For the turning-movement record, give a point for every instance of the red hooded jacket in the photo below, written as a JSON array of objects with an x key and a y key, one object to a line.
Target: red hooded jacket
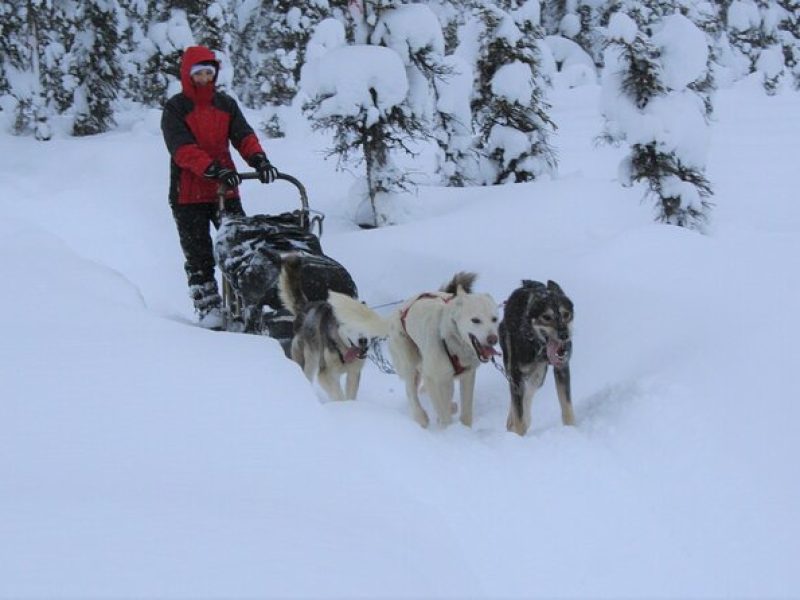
[{"x": 197, "y": 125}]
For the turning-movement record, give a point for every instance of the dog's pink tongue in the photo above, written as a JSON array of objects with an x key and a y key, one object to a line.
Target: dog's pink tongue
[
  {"x": 351, "y": 354},
  {"x": 555, "y": 353},
  {"x": 488, "y": 352}
]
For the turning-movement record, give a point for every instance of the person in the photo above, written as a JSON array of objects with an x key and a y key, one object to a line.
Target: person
[{"x": 198, "y": 125}]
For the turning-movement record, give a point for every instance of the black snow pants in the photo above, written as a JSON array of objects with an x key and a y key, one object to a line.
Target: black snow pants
[{"x": 194, "y": 222}]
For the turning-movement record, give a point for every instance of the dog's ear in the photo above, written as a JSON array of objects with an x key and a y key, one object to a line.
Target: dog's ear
[
  {"x": 554, "y": 287},
  {"x": 533, "y": 286},
  {"x": 458, "y": 300}
]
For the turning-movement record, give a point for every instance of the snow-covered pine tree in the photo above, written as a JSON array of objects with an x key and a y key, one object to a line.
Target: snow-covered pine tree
[
  {"x": 789, "y": 35},
  {"x": 274, "y": 40},
  {"x": 359, "y": 94},
  {"x": 15, "y": 67},
  {"x": 57, "y": 25},
  {"x": 753, "y": 34},
  {"x": 451, "y": 14},
  {"x": 23, "y": 41},
  {"x": 458, "y": 161},
  {"x": 96, "y": 68},
  {"x": 648, "y": 15},
  {"x": 706, "y": 17},
  {"x": 209, "y": 20},
  {"x": 576, "y": 20},
  {"x": 13, "y": 17},
  {"x": 509, "y": 107},
  {"x": 166, "y": 35},
  {"x": 41, "y": 126},
  {"x": 134, "y": 47},
  {"x": 648, "y": 101},
  {"x": 415, "y": 33},
  {"x": 553, "y": 11}
]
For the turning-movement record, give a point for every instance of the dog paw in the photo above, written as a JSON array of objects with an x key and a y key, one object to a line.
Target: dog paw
[
  {"x": 421, "y": 417},
  {"x": 515, "y": 426},
  {"x": 444, "y": 420}
]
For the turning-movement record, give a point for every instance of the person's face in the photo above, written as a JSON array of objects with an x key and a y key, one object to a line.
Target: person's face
[{"x": 203, "y": 77}]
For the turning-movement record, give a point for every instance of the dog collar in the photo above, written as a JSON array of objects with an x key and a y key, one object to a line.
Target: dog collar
[{"x": 458, "y": 368}]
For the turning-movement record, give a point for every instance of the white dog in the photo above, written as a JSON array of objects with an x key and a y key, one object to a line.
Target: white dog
[{"x": 439, "y": 337}]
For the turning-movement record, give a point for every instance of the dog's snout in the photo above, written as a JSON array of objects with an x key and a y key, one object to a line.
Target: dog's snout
[
  {"x": 363, "y": 342},
  {"x": 491, "y": 339},
  {"x": 563, "y": 335}
]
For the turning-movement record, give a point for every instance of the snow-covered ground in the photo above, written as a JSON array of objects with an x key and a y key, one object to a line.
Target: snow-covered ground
[{"x": 143, "y": 456}]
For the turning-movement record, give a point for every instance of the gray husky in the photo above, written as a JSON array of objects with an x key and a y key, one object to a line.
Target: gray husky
[
  {"x": 331, "y": 338},
  {"x": 536, "y": 331}
]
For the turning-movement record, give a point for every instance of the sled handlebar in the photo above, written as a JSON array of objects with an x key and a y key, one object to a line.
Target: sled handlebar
[{"x": 284, "y": 176}]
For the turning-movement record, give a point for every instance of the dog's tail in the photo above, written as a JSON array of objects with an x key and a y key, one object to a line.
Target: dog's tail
[
  {"x": 290, "y": 284},
  {"x": 353, "y": 312},
  {"x": 463, "y": 280}
]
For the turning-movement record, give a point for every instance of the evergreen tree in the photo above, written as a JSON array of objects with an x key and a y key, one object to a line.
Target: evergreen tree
[
  {"x": 58, "y": 26},
  {"x": 642, "y": 96},
  {"x": 21, "y": 49},
  {"x": 415, "y": 33},
  {"x": 509, "y": 108},
  {"x": 576, "y": 20},
  {"x": 451, "y": 15},
  {"x": 754, "y": 30},
  {"x": 13, "y": 18},
  {"x": 458, "y": 164},
  {"x": 789, "y": 35},
  {"x": 40, "y": 115},
  {"x": 413, "y": 36},
  {"x": 15, "y": 58},
  {"x": 272, "y": 53},
  {"x": 553, "y": 12},
  {"x": 209, "y": 21},
  {"x": 97, "y": 68},
  {"x": 359, "y": 93},
  {"x": 159, "y": 51},
  {"x": 134, "y": 47}
]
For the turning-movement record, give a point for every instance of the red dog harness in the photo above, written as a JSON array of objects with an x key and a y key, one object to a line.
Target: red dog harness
[{"x": 458, "y": 368}]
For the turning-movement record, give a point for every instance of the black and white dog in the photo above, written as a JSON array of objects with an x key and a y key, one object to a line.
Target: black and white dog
[
  {"x": 536, "y": 331},
  {"x": 331, "y": 336}
]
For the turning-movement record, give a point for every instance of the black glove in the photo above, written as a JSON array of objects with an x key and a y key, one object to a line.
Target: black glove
[
  {"x": 266, "y": 172},
  {"x": 227, "y": 176}
]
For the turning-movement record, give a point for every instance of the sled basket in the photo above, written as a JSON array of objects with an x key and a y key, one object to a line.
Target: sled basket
[{"x": 249, "y": 251}]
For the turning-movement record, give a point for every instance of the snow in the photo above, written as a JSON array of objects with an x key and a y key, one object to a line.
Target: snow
[
  {"x": 455, "y": 90},
  {"x": 530, "y": 11},
  {"x": 173, "y": 34},
  {"x": 675, "y": 120},
  {"x": 743, "y": 15},
  {"x": 345, "y": 77},
  {"x": 328, "y": 34},
  {"x": 683, "y": 51},
  {"x": 770, "y": 61},
  {"x": 570, "y": 25},
  {"x": 514, "y": 82},
  {"x": 141, "y": 456},
  {"x": 407, "y": 29},
  {"x": 622, "y": 27},
  {"x": 678, "y": 124},
  {"x": 576, "y": 67}
]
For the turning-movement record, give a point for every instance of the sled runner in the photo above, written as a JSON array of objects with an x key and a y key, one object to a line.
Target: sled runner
[{"x": 249, "y": 251}]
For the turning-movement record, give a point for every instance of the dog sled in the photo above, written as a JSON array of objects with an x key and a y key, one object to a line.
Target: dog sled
[{"x": 249, "y": 251}]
